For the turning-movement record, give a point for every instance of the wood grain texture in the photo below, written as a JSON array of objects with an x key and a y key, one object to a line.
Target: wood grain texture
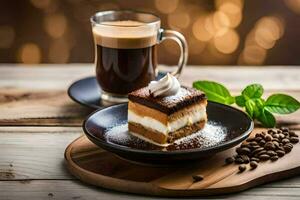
[
  {"x": 34, "y": 152},
  {"x": 39, "y": 107},
  {"x": 61, "y": 76},
  {"x": 98, "y": 167},
  {"x": 34, "y": 155},
  {"x": 55, "y": 108},
  {"x": 72, "y": 189}
]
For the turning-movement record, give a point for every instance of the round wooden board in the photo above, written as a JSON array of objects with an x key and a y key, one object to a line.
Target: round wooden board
[{"x": 98, "y": 167}]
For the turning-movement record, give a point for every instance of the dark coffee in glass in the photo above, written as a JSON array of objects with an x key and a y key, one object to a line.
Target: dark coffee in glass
[
  {"x": 127, "y": 62},
  {"x": 126, "y": 44}
]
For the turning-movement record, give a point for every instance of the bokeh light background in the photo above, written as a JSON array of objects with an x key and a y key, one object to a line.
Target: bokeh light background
[{"x": 219, "y": 32}]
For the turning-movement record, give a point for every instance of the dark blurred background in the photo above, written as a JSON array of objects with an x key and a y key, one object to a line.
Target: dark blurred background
[{"x": 227, "y": 32}]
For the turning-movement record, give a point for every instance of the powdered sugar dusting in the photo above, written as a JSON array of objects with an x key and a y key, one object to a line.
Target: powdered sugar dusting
[
  {"x": 118, "y": 134},
  {"x": 212, "y": 134}
]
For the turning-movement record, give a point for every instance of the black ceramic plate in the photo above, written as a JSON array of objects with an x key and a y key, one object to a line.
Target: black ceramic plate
[
  {"x": 87, "y": 92},
  {"x": 226, "y": 127}
]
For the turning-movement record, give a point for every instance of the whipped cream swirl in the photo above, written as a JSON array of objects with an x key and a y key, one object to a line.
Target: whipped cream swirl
[{"x": 166, "y": 86}]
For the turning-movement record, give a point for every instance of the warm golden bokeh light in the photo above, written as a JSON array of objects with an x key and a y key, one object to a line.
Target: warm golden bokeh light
[
  {"x": 7, "y": 36},
  {"x": 239, "y": 3},
  {"x": 233, "y": 12},
  {"x": 220, "y": 20},
  {"x": 55, "y": 25},
  {"x": 166, "y": 6},
  {"x": 253, "y": 55},
  {"x": 263, "y": 37},
  {"x": 41, "y": 4},
  {"x": 30, "y": 53},
  {"x": 199, "y": 32},
  {"x": 294, "y": 5},
  {"x": 59, "y": 51},
  {"x": 226, "y": 41},
  {"x": 274, "y": 24},
  {"x": 179, "y": 20}
]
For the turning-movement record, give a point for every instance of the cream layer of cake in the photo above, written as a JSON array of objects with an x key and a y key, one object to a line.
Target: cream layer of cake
[{"x": 162, "y": 123}]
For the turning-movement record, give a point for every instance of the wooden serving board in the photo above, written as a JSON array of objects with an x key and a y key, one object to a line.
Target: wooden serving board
[{"x": 98, "y": 167}]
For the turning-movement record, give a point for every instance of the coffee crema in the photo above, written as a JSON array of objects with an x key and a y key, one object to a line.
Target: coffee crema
[{"x": 124, "y": 34}]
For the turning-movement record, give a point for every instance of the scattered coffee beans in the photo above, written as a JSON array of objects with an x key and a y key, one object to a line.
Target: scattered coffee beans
[
  {"x": 242, "y": 168},
  {"x": 253, "y": 164},
  {"x": 197, "y": 178},
  {"x": 270, "y": 145}
]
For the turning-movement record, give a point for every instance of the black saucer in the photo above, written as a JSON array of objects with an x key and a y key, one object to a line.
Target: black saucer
[
  {"x": 87, "y": 92},
  {"x": 226, "y": 127}
]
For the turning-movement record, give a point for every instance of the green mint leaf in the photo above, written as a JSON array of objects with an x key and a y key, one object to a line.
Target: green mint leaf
[
  {"x": 259, "y": 105},
  {"x": 240, "y": 101},
  {"x": 214, "y": 91},
  {"x": 267, "y": 119},
  {"x": 254, "y": 107},
  {"x": 281, "y": 104},
  {"x": 253, "y": 91},
  {"x": 250, "y": 107}
]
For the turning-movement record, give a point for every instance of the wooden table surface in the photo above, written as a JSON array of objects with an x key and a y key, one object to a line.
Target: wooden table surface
[{"x": 38, "y": 121}]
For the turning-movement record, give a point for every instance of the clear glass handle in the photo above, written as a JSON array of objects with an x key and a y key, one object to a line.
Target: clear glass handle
[{"x": 180, "y": 40}]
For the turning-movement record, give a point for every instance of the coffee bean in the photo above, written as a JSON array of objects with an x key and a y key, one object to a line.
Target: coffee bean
[
  {"x": 236, "y": 156},
  {"x": 255, "y": 147},
  {"x": 239, "y": 161},
  {"x": 253, "y": 143},
  {"x": 245, "y": 159},
  {"x": 257, "y": 150},
  {"x": 197, "y": 178},
  {"x": 270, "y": 131},
  {"x": 289, "y": 145},
  {"x": 271, "y": 153},
  {"x": 242, "y": 168},
  {"x": 286, "y": 133},
  {"x": 262, "y": 142},
  {"x": 268, "y": 138},
  {"x": 245, "y": 151},
  {"x": 254, "y": 159},
  {"x": 264, "y": 157},
  {"x": 250, "y": 139},
  {"x": 257, "y": 139},
  {"x": 281, "y": 136},
  {"x": 294, "y": 140},
  {"x": 253, "y": 164},
  {"x": 285, "y": 140},
  {"x": 269, "y": 146},
  {"x": 280, "y": 148},
  {"x": 293, "y": 134},
  {"x": 280, "y": 153},
  {"x": 284, "y": 129},
  {"x": 238, "y": 150},
  {"x": 274, "y": 158},
  {"x": 229, "y": 160},
  {"x": 261, "y": 152},
  {"x": 276, "y": 144},
  {"x": 287, "y": 148},
  {"x": 262, "y": 147}
]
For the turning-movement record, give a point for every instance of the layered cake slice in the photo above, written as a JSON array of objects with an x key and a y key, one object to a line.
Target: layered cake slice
[{"x": 164, "y": 111}]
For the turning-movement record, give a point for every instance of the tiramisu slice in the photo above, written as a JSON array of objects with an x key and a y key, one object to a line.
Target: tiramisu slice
[{"x": 164, "y": 111}]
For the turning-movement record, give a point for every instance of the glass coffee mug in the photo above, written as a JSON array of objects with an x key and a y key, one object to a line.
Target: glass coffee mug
[{"x": 125, "y": 51}]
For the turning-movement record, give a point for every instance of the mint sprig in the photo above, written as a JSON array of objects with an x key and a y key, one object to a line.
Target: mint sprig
[{"x": 251, "y": 100}]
